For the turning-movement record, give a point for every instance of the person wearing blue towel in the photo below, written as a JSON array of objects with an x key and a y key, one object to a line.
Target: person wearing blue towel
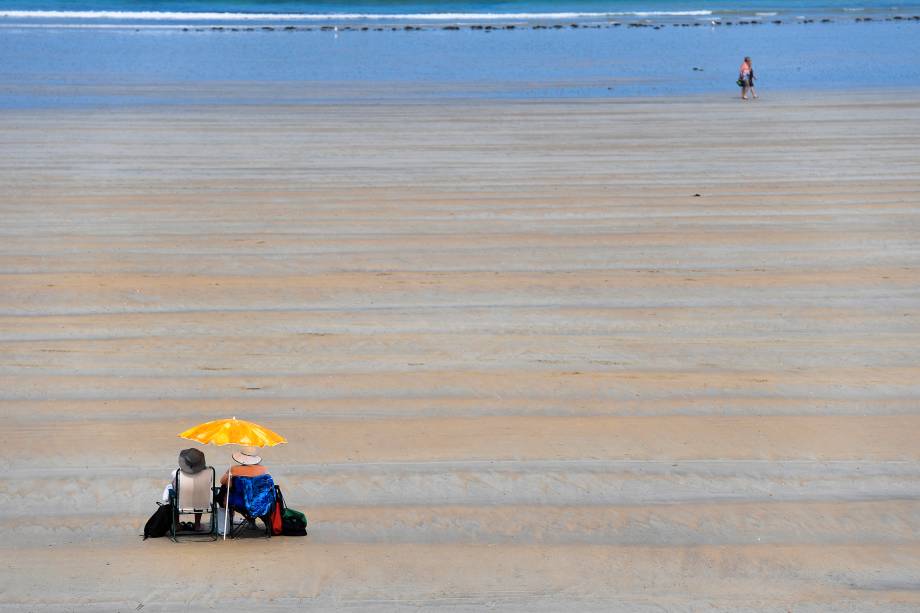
[{"x": 249, "y": 467}]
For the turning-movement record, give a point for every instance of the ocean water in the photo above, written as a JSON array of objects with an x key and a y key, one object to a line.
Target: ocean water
[
  {"x": 127, "y": 52},
  {"x": 364, "y": 11}
]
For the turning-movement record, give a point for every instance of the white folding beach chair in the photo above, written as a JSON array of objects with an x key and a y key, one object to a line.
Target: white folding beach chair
[{"x": 194, "y": 494}]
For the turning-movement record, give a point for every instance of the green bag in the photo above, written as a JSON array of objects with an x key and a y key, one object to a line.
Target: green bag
[
  {"x": 293, "y": 522},
  {"x": 740, "y": 82}
]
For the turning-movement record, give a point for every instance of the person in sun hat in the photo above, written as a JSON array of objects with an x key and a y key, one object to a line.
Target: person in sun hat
[
  {"x": 191, "y": 462},
  {"x": 247, "y": 463}
]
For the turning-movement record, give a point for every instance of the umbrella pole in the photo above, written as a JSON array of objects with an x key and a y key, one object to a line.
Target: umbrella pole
[{"x": 227, "y": 501}]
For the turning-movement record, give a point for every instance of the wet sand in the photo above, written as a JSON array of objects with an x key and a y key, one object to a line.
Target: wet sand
[{"x": 607, "y": 355}]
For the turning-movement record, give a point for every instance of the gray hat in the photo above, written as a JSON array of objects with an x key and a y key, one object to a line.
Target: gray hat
[{"x": 191, "y": 461}]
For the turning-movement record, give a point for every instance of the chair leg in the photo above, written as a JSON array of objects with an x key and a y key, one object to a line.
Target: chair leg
[
  {"x": 232, "y": 529},
  {"x": 174, "y": 526},
  {"x": 267, "y": 522},
  {"x": 245, "y": 526}
]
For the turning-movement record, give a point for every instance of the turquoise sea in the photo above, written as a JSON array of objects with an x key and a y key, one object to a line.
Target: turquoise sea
[{"x": 125, "y": 52}]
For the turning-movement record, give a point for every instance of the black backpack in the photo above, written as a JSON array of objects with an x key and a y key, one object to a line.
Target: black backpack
[{"x": 159, "y": 523}]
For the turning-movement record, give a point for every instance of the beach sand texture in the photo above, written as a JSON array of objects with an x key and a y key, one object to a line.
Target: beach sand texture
[{"x": 606, "y": 355}]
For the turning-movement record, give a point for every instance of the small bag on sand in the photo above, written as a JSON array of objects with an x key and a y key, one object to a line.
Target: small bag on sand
[
  {"x": 160, "y": 522},
  {"x": 293, "y": 522},
  {"x": 277, "y": 525}
]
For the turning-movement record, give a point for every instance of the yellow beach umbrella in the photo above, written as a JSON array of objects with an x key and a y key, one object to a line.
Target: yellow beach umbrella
[{"x": 232, "y": 432}]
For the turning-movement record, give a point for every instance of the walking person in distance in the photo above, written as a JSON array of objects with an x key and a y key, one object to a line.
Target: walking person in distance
[{"x": 746, "y": 78}]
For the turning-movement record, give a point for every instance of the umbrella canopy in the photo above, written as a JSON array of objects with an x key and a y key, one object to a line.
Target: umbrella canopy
[{"x": 233, "y": 432}]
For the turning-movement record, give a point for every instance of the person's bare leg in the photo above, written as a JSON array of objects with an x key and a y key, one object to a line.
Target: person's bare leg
[
  {"x": 744, "y": 90},
  {"x": 753, "y": 93},
  {"x": 197, "y": 522}
]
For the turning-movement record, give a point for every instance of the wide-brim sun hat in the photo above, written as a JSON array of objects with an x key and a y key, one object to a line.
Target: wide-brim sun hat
[
  {"x": 247, "y": 456},
  {"x": 191, "y": 461}
]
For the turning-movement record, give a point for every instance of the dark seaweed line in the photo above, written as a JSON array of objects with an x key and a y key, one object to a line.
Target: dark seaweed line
[{"x": 540, "y": 26}]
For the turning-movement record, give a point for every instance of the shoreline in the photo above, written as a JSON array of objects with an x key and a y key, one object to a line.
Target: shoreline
[{"x": 179, "y": 97}]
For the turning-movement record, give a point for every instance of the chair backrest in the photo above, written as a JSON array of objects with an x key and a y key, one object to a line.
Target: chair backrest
[{"x": 195, "y": 492}]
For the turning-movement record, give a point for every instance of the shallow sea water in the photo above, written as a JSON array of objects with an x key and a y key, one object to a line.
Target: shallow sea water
[{"x": 45, "y": 67}]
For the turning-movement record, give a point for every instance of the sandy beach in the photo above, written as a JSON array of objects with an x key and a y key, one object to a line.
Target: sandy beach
[{"x": 618, "y": 355}]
